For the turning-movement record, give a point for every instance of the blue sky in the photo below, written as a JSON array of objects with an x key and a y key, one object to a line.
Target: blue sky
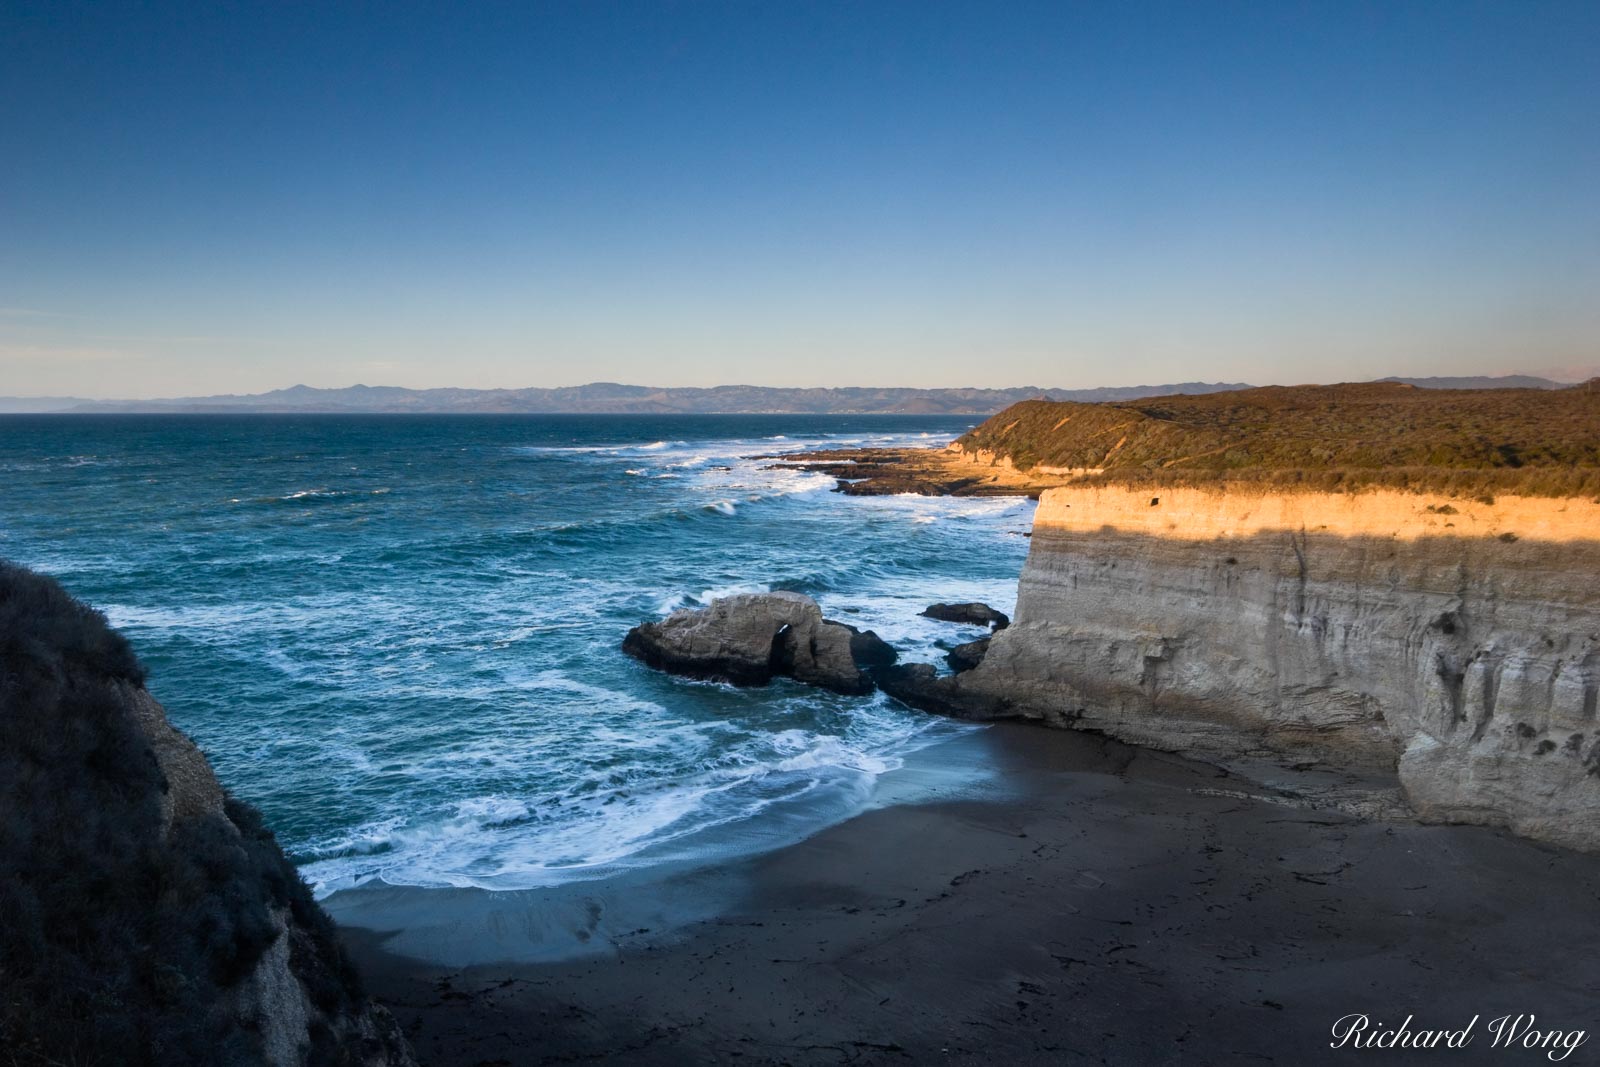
[{"x": 230, "y": 197}]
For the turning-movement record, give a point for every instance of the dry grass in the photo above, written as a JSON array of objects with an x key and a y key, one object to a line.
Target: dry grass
[{"x": 1338, "y": 437}]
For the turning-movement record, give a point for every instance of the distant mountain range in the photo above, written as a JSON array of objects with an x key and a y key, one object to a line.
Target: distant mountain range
[
  {"x": 24, "y": 404},
  {"x": 610, "y": 398},
  {"x": 1505, "y": 381}
]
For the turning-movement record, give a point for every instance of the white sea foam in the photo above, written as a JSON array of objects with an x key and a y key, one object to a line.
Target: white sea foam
[
  {"x": 500, "y": 841},
  {"x": 706, "y": 596},
  {"x": 319, "y": 494},
  {"x": 439, "y": 699},
  {"x": 616, "y": 699},
  {"x": 537, "y": 450},
  {"x": 812, "y": 753},
  {"x": 562, "y": 827}
]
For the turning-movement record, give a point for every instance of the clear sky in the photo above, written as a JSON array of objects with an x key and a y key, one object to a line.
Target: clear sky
[{"x": 218, "y": 197}]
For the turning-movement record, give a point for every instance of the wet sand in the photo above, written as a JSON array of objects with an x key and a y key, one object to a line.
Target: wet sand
[{"x": 1101, "y": 904}]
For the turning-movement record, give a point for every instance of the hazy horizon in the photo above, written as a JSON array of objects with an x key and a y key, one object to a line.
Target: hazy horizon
[
  {"x": 998, "y": 387},
  {"x": 946, "y": 195},
  {"x": 1566, "y": 376}
]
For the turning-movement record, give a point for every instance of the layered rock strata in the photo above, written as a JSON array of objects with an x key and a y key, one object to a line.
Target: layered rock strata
[{"x": 1457, "y": 642}]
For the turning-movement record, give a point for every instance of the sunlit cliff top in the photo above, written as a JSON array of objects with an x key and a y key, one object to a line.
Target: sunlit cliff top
[{"x": 1482, "y": 441}]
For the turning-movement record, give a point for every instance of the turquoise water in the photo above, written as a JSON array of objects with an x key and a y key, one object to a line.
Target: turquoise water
[{"x": 399, "y": 635}]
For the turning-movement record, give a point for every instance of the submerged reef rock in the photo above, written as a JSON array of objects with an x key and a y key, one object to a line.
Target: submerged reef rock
[
  {"x": 974, "y": 614},
  {"x": 752, "y": 638},
  {"x": 149, "y": 917}
]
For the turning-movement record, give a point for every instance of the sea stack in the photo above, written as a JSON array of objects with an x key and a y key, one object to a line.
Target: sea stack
[{"x": 753, "y": 638}]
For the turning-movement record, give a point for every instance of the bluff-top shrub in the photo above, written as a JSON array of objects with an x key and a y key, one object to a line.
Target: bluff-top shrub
[
  {"x": 1542, "y": 442},
  {"x": 119, "y": 943}
]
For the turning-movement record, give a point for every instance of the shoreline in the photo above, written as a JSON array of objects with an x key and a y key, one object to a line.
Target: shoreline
[
  {"x": 1101, "y": 902},
  {"x": 683, "y": 883},
  {"x": 923, "y": 471}
]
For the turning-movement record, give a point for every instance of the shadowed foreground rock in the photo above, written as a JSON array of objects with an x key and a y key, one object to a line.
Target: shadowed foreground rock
[
  {"x": 752, "y": 638},
  {"x": 146, "y": 917}
]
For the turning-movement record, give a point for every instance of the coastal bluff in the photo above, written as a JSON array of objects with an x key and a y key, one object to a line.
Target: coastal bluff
[
  {"x": 1454, "y": 641},
  {"x": 150, "y": 917},
  {"x": 1393, "y": 586}
]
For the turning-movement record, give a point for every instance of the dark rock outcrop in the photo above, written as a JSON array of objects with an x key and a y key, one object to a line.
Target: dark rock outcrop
[
  {"x": 819, "y": 655},
  {"x": 867, "y": 648},
  {"x": 919, "y": 686},
  {"x": 973, "y": 613},
  {"x": 967, "y": 656},
  {"x": 751, "y": 639},
  {"x": 149, "y": 917}
]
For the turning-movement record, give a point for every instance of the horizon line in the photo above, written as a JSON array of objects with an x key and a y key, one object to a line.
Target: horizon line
[{"x": 1560, "y": 380}]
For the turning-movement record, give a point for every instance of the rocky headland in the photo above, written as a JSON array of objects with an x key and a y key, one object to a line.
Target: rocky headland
[
  {"x": 1456, "y": 644},
  {"x": 1464, "y": 442},
  {"x": 950, "y": 471},
  {"x": 148, "y": 916},
  {"x": 1395, "y": 584}
]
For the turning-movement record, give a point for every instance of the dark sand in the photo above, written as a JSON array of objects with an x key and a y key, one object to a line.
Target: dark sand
[{"x": 1110, "y": 905}]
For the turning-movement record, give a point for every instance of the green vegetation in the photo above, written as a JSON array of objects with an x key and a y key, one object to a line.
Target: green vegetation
[
  {"x": 1335, "y": 437},
  {"x": 120, "y": 941}
]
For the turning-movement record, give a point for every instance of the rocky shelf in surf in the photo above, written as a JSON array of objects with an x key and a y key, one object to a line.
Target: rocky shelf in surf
[{"x": 752, "y": 638}]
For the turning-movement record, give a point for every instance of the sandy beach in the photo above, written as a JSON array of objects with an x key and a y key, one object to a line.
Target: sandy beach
[{"x": 1095, "y": 903}]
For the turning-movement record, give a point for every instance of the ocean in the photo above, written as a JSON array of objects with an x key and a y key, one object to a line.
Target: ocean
[{"x": 399, "y": 635}]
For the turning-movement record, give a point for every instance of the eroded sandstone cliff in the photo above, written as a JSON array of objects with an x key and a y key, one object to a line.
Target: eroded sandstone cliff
[{"x": 1458, "y": 642}]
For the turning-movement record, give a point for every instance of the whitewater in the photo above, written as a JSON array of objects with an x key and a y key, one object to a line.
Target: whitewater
[{"x": 399, "y": 636}]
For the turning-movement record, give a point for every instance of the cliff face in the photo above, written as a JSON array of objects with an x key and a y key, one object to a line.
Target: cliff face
[
  {"x": 1457, "y": 642},
  {"x": 149, "y": 917}
]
